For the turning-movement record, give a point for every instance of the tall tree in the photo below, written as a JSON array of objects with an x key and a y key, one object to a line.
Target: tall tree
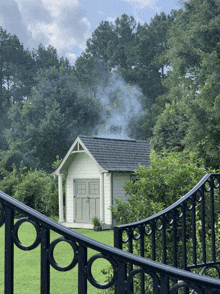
[
  {"x": 193, "y": 54},
  {"x": 16, "y": 76},
  {"x": 57, "y": 111},
  {"x": 48, "y": 57}
]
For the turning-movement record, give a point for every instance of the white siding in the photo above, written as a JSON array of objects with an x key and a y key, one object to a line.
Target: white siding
[
  {"x": 107, "y": 198},
  {"x": 82, "y": 167},
  {"x": 118, "y": 183}
]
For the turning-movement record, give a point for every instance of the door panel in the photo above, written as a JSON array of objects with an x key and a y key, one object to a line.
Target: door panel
[{"x": 87, "y": 200}]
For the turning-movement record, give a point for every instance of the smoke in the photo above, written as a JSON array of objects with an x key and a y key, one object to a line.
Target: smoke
[{"x": 121, "y": 103}]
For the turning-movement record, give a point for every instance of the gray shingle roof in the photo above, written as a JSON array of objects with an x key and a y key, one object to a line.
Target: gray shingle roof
[{"x": 118, "y": 154}]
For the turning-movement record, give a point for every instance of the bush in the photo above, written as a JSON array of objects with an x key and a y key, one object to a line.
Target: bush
[
  {"x": 170, "y": 176},
  {"x": 34, "y": 188}
]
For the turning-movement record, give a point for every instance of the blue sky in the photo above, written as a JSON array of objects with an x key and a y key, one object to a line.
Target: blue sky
[{"x": 67, "y": 24}]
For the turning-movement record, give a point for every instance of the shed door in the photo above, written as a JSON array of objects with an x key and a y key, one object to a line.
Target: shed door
[{"x": 87, "y": 200}]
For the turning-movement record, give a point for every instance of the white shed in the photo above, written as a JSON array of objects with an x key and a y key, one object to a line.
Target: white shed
[{"x": 96, "y": 169}]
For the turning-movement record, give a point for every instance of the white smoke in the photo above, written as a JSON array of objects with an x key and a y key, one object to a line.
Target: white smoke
[{"x": 121, "y": 102}]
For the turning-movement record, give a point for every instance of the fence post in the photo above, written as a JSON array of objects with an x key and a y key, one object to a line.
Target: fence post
[
  {"x": 82, "y": 274},
  {"x": 122, "y": 278},
  {"x": 45, "y": 266},
  {"x": 164, "y": 284},
  {"x": 117, "y": 238},
  {"x": 9, "y": 251}
]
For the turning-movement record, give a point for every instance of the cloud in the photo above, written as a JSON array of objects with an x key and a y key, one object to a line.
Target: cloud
[
  {"x": 142, "y": 3},
  {"x": 11, "y": 20},
  {"x": 111, "y": 19},
  {"x": 71, "y": 57},
  {"x": 143, "y": 9},
  {"x": 60, "y": 23}
]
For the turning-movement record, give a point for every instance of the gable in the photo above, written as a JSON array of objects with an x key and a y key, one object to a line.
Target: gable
[
  {"x": 82, "y": 166},
  {"x": 77, "y": 148}
]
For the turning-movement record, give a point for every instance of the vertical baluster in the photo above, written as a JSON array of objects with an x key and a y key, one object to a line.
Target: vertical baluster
[
  {"x": 194, "y": 230},
  {"x": 122, "y": 277},
  {"x": 130, "y": 248},
  {"x": 45, "y": 265},
  {"x": 212, "y": 219},
  {"x": 174, "y": 238},
  {"x": 141, "y": 232},
  {"x": 203, "y": 224},
  {"x": 219, "y": 191},
  {"x": 82, "y": 274},
  {"x": 164, "y": 243},
  {"x": 9, "y": 251},
  {"x": 164, "y": 284},
  {"x": 153, "y": 241},
  {"x": 184, "y": 234}
]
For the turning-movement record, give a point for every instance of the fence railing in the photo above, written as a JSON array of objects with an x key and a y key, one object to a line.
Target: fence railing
[
  {"x": 156, "y": 277},
  {"x": 185, "y": 235}
]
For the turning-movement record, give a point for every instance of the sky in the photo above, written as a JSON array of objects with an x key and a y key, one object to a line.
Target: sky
[{"x": 68, "y": 24}]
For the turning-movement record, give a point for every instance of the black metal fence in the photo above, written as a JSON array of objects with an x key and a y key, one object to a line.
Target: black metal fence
[
  {"x": 126, "y": 269},
  {"x": 185, "y": 235}
]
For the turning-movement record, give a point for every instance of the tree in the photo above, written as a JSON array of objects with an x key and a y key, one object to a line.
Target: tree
[
  {"x": 17, "y": 70},
  {"x": 103, "y": 42},
  {"x": 47, "y": 124},
  {"x": 193, "y": 82}
]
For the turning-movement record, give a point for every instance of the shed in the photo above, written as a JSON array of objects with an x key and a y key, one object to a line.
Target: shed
[{"x": 96, "y": 169}]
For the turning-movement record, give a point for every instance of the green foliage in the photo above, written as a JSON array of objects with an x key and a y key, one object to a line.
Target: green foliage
[
  {"x": 34, "y": 188},
  {"x": 170, "y": 128},
  {"x": 56, "y": 163},
  {"x": 51, "y": 119},
  {"x": 174, "y": 60},
  {"x": 96, "y": 222},
  {"x": 9, "y": 180},
  {"x": 170, "y": 176},
  {"x": 193, "y": 83}
]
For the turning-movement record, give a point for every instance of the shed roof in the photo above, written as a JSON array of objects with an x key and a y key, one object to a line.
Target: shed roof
[
  {"x": 118, "y": 154},
  {"x": 111, "y": 154}
]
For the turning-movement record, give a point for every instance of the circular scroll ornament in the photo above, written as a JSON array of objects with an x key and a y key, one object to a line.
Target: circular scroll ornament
[
  {"x": 169, "y": 217},
  {"x": 90, "y": 276},
  {"x": 159, "y": 224},
  {"x": 189, "y": 204},
  {"x": 216, "y": 182},
  {"x": 148, "y": 229},
  {"x": 207, "y": 186},
  {"x": 51, "y": 254},
  {"x": 126, "y": 233},
  {"x": 16, "y": 238},
  {"x": 136, "y": 233},
  {"x": 185, "y": 285},
  {"x": 139, "y": 271}
]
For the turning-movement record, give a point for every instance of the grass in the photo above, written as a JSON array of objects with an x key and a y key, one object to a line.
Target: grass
[{"x": 27, "y": 263}]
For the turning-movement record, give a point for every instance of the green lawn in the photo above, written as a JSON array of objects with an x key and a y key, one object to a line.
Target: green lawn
[{"x": 27, "y": 263}]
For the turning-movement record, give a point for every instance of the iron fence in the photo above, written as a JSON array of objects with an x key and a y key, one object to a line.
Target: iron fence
[
  {"x": 185, "y": 235},
  {"x": 126, "y": 268}
]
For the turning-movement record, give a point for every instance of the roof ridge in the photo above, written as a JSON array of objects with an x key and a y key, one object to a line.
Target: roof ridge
[{"x": 114, "y": 139}]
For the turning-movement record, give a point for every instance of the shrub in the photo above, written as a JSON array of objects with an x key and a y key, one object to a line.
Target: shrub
[
  {"x": 34, "y": 188},
  {"x": 170, "y": 176}
]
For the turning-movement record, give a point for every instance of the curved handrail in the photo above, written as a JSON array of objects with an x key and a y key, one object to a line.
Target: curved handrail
[
  {"x": 117, "y": 257},
  {"x": 172, "y": 206}
]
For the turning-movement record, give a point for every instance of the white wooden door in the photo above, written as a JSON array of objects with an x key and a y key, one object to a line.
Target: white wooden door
[{"x": 87, "y": 200}]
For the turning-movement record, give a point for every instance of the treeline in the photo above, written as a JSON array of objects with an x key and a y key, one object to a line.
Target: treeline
[{"x": 174, "y": 60}]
